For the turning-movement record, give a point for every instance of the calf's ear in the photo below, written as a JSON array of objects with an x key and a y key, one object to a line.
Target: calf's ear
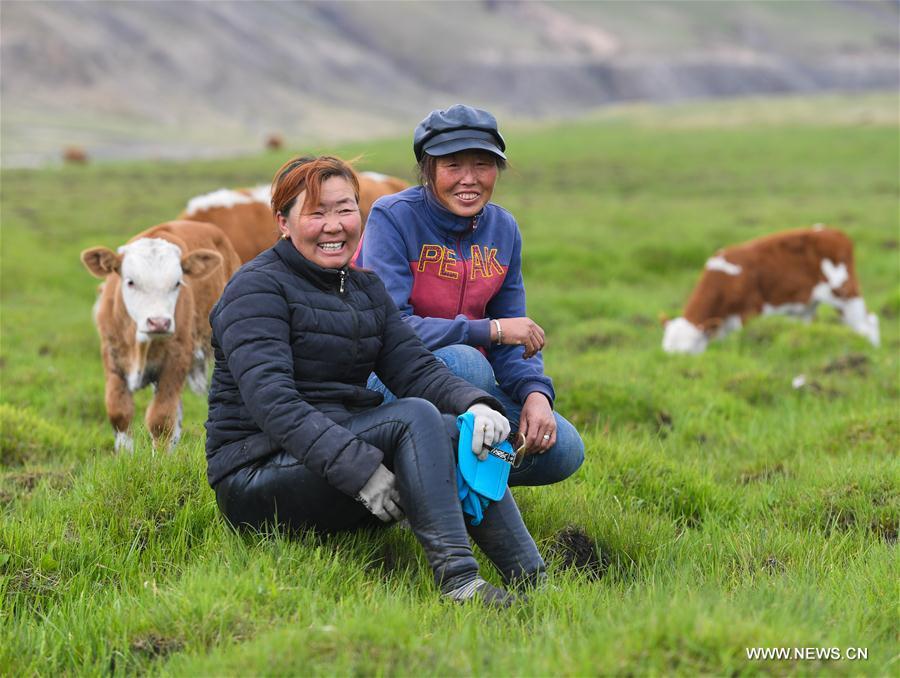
[
  {"x": 101, "y": 261},
  {"x": 200, "y": 263}
]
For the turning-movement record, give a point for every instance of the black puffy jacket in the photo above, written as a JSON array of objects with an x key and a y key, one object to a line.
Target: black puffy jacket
[{"x": 294, "y": 345}]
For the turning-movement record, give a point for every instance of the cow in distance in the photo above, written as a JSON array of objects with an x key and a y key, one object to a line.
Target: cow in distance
[{"x": 788, "y": 273}]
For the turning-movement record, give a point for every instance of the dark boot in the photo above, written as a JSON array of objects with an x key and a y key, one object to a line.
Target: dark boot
[
  {"x": 480, "y": 591},
  {"x": 505, "y": 540}
]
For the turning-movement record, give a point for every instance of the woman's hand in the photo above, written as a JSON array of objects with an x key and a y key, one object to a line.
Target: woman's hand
[
  {"x": 380, "y": 496},
  {"x": 519, "y": 332},
  {"x": 537, "y": 424}
]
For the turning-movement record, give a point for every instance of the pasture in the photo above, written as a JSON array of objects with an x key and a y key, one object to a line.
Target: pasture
[{"x": 729, "y": 509}]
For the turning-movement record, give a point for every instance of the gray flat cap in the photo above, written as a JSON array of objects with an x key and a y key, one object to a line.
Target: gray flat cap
[{"x": 458, "y": 128}]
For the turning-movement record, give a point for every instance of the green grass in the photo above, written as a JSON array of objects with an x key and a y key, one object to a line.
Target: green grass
[{"x": 729, "y": 509}]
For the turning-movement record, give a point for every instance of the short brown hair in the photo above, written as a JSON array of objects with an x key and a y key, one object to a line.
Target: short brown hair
[{"x": 307, "y": 173}]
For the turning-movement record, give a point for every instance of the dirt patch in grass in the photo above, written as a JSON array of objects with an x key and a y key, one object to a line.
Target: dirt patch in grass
[
  {"x": 34, "y": 583},
  {"x": 19, "y": 485},
  {"x": 813, "y": 387},
  {"x": 155, "y": 646},
  {"x": 764, "y": 474},
  {"x": 875, "y": 510},
  {"x": 773, "y": 566},
  {"x": 852, "y": 363},
  {"x": 28, "y": 480},
  {"x": 890, "y": 244},
  {"x": 576, "y": 550},
  {"x": 886, "y": 528},
  {"x": 664, "y": 423}
]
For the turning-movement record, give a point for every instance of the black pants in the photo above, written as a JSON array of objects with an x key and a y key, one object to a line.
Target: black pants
[{"x": 419, "y": 446}]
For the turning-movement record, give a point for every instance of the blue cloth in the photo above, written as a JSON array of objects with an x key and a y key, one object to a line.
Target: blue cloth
[
  {"x": 473, "y": 504},
  {"x": 480, "y": 481}
]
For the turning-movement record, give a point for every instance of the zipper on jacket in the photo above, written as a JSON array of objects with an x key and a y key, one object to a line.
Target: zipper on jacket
[
  {"x": 462, "y": 292},
  {"x": 355, "y": 338},
  {"x": 353, "y": 357}
]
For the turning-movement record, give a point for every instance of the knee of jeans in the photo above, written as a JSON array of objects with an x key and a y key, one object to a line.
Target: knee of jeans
[
  {"x": 420, "y": 412},
  {"x": 468, "y": 363},
  {"x": 569, "y": 452}
]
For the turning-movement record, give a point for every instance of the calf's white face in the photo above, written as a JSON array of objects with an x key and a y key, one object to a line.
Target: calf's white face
[
  {"x": 682, "y": 336},
  {"x": 151, "y": 280}
]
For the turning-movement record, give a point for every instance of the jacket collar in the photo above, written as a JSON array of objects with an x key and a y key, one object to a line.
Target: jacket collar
[
  {"x": 324, "y": 278},
  {"x": 444, "y": 219}
]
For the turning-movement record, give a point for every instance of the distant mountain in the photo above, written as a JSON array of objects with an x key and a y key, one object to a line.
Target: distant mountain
[{"x": 175, "y": 78}]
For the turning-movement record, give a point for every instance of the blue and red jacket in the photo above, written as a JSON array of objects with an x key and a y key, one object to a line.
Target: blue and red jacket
[{"x": 450, "y": 275}]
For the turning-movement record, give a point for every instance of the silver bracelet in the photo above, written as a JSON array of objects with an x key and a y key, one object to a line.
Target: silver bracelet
[{"x": 499, "y": 331}]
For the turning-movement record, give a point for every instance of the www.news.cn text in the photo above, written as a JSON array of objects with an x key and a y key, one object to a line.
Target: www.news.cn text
[{"x": 807, "y": 653}]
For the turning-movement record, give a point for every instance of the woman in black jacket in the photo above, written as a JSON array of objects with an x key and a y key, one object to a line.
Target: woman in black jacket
[{"x": 295, "y": 439}]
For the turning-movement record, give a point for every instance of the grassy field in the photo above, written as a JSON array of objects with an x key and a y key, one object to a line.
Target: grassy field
[{"x": 728, "y": 509}]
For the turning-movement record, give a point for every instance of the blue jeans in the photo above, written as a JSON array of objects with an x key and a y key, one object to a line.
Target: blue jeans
[{"x": 557, "y": 463}]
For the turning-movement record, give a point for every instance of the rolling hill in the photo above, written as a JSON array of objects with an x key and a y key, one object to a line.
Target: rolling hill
[{"x": 188, "y": 79}]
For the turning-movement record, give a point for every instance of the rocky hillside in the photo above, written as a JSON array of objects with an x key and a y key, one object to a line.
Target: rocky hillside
[{"x": 137, "y": 79}]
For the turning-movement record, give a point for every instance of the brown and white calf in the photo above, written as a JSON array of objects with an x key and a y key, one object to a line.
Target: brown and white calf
[
  {"x": 153, "y": 319},
  {"x": 786, "y": 273},
  {"x": 245, "y": 215}
]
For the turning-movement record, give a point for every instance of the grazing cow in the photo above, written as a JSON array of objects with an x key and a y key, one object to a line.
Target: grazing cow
[
  {"x": 74, "y": 155},
  {"x": 153, "y": 319},
  {"x": 786, "y": 273},
  {"x": 244, "y": 214},
  {"x": 274, "y": 141}
]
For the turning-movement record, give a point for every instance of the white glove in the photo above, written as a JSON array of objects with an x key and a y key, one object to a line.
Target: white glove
[
  {"x": 491, "y": 427},
  {"x": 380, "y": 496}
]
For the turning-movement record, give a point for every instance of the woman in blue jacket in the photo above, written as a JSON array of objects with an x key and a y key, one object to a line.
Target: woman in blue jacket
[
  {"x": 294, "y": 437},
  {"x": 452, "y": 262}
]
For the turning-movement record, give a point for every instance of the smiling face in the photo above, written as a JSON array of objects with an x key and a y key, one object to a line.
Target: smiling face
[
  {"x": 464, "y": 181},
  {"x": 327, "y": 234}
]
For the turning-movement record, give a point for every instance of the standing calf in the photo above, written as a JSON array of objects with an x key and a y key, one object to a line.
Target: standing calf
[
  {"x": 243, "y": 214},
  {"x": 153, "y": 319},
  {"x": 788, "y": 273}
]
